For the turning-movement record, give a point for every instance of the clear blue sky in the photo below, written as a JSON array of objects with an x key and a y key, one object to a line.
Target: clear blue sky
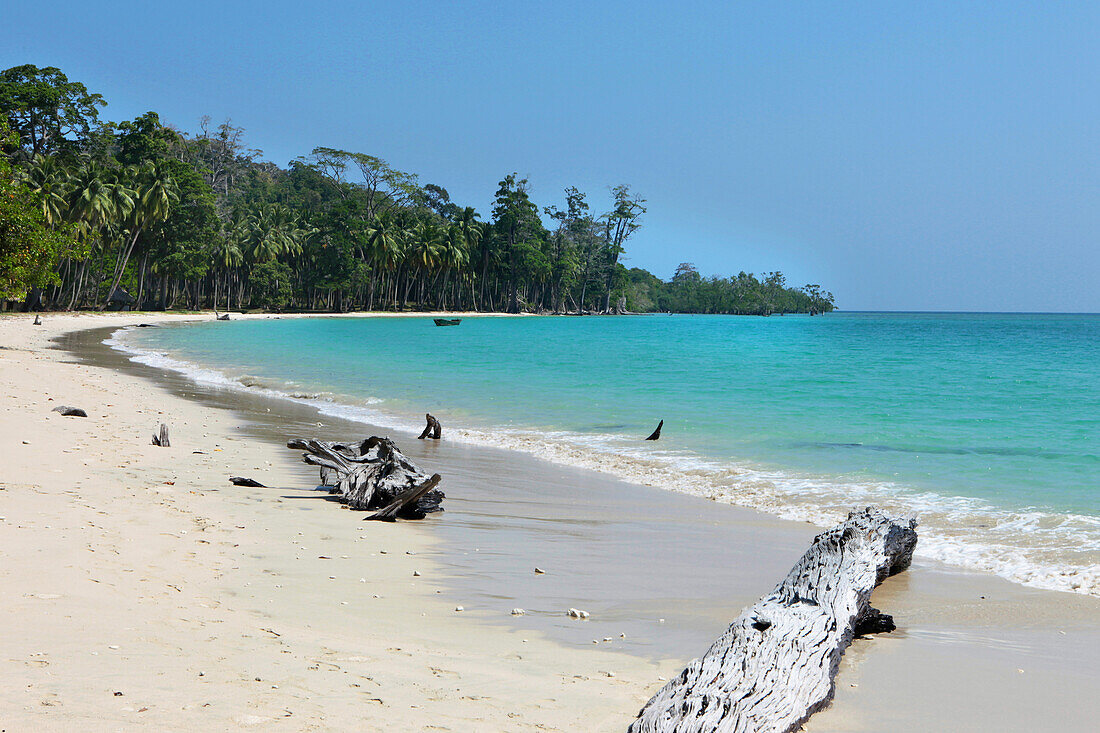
[{"x": 907, "y": 156}]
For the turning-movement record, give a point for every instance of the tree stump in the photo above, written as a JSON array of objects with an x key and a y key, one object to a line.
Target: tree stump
[
  {"x": 373, "y": 475},
  {"x": 432, "y": 430},
  {"x": 774, "y": 666},
  {"x": 162, "y": 439}
]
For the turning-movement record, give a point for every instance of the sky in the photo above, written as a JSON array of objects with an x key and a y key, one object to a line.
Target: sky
[{"x": 905, "y": 156}]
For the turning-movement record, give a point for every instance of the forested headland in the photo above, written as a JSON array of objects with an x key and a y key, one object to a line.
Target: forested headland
[{"x": 140, "y": 215}]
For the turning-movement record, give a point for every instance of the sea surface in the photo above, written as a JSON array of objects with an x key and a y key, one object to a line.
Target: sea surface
[{"x": 986, "y": 426}]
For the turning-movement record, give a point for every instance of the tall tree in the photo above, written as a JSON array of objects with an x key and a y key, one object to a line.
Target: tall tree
[
  {"x": 49, "y": 113},
  {"x": 517, "y": 225},
  {"x": 30, "y": 244},
  {"x": 622, "y": 221}
]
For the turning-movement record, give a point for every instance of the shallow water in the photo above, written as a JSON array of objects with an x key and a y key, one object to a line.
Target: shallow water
[{"x": 986, "y": 425}]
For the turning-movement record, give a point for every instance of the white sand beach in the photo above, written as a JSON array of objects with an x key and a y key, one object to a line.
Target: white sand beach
[{"x": 141, "y": 590}]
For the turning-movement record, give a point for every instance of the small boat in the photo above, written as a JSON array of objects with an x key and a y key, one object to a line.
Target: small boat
[{"x": 447, "y": 321}]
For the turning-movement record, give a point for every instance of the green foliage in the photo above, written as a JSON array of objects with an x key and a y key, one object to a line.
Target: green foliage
[
  {"x": 745, "y": 294},
  {"x": 49, "y": 113},
  {"x": 29, "y": 246},
  {"x": 271, "y": 288},
  {"x": 200, "y": 219}
]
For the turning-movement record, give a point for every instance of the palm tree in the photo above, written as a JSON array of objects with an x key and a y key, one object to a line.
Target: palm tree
[
  {"x": 154, "y": 194},
  {"x": 273, "y": 230},
  {"x": 472, "y": 231},
  {"x": 386, "y": 245},
  {"x": 425, "y": 253},
  {"x": 455, "y": 256},
  {"x": 50, "y": 182},
  {"x": 229, "y": 256},
  {"x": 95, "y": 204}
]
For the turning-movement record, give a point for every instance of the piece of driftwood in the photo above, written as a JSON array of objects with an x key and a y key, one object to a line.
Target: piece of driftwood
[
  {"x": 37, "y": 320},
  {"x": 162, "y": 438},
  {"x": 242, "y": 481},
  {"x": 389, "y": 512},
  {"x": 656, "y": 434},
  {"x": 432, "y": 430},
  {"x": 373, "y": 474},
  {"x": 69, "y": 411},
  {"x": 774, "y": 666}
]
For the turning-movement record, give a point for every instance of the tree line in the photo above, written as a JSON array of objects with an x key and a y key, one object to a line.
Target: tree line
[{"x": 137, "y": 214}]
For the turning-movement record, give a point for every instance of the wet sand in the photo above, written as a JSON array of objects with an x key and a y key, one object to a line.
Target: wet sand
[{"x": 628, "y": 554}]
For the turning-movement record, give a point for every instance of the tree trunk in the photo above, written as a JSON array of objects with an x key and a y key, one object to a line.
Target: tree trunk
[{"x": 774, "y": 666}]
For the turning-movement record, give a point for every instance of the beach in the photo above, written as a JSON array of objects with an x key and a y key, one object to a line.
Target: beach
[{"x": 147, "y": 591}]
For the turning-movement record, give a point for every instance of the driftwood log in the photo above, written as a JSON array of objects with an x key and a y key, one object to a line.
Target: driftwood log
[
  {"x": 373, "y": 475},
  {"x": 656, "y": 434},
  {"x": 243, "y": 481},
  {"x": 432, "y": 430},
  {"x": 70, "y": 411},
  {"x": 774, "y": 666},
  {"x": 162, "y": 438}
]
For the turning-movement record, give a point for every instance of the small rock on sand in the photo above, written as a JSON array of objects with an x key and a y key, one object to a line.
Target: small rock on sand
[
  {"x": 459, "y": 608},
  {"x": 576, "y": 613},
  {"x": 518, "y": 612}
]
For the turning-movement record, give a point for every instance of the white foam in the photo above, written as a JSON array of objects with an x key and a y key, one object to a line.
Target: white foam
[{"x": 1037, "y": 548}]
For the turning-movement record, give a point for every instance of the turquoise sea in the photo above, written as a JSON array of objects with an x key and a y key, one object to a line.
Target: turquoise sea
[{"x": 985, "y": 425}]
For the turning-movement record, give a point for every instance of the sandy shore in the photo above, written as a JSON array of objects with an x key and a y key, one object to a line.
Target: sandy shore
[
  {"x": 140, "y": 588},
  {"x": 134, "y": 569}
]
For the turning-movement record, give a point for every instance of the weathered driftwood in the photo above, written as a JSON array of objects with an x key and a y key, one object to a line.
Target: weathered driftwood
[
  {"x": 389, "y": 512},
  {"x": 37, "y": 320},
  {"x": 242, "y": 481},
  {"x": 373, "y": 474},
  {"x": 69, "y": 411},
  {"x": 656, "y": 434},
  {"x": 774, "y": 666},
  {"x": 432, "y": 430},
  {"x": 162, "y": 438}
]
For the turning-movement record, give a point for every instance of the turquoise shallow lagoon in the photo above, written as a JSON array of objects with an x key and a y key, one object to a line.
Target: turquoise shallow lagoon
[{"x": 986, "y": 425}]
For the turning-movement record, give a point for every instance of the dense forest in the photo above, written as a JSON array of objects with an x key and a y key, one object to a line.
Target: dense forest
[{"x": 137, "y": 214}]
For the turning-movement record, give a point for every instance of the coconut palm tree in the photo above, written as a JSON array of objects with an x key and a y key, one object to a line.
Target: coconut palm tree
[
  {"x": 153, "y": 195},
  {"x": 273, "y": 230},
  {"x": 386, "y": 246},
  {"x": 425, "y": 253},
  {"x": 96, "y": 204},
  {"x": 228, "y": 256},
  {"x": 454, "y": 257},
  {"x": 49, "y": 180}
]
